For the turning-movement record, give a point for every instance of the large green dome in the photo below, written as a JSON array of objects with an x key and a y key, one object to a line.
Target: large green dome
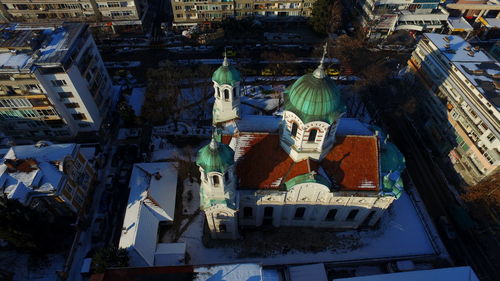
[
  {"x": 391, "y": 158},
  {"x": 215, "y": 157},
  {"x": 226, "y": 74},
  {"x": 314, "y": 97}
]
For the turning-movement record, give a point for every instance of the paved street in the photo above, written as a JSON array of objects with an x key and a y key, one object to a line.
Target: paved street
[{"x": 439, "y": 200}]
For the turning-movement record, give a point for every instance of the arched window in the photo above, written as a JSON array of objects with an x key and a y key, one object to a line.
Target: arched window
[
  {"x": 295, "y": 127},
  {"x": 247, "y": 212},
  {"x": 299, "y": 212},
  {"x": 331, "y": 215},
  {"x": 216, "y": 180},
  {"x": 352, "y": 215},
  {"x": 226, "y": 94},
  {"x": 222, "y": 227},
  {"x": 218, "y": 93},
  {"x": 312, "y": 135}
]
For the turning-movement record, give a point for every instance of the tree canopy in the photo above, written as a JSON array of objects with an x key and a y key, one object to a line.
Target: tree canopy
[
  {"x": 326, "y": 16},
  {"x": 108, "y": 257}
]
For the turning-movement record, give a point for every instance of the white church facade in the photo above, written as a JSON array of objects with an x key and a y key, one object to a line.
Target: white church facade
[{"x": 311, "y": 167}]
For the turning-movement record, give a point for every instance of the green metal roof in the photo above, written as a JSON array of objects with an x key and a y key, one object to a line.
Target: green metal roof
[
  {"x": 306, "y": 178},
  {"x": 314, "y": 98},
  {"x": 226, "y": 74},
  {"x": 392, "y": 185},
  {"x": 391, "y": 158},
  {"x": 215, "y": 157}
]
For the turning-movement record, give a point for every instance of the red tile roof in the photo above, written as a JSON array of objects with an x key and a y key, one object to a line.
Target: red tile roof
[
  {"x": 263, "y": 164},
  {"x": 353, "y": 163}
]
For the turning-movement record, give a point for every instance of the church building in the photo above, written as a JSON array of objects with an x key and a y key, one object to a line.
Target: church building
[{"x": 309, "y": 167}]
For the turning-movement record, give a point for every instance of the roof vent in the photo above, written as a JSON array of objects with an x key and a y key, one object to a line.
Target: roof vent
[
  {"x": 42, "y": 143},
  {"x": 476, "y": 48},
  {"x": 471, "y": 53},
  {"x": 467, "y": 48},
  {"x": 157, "y": 176},
  {"x": 447, "y": 46},
  {"x": 448, "y": 38}
]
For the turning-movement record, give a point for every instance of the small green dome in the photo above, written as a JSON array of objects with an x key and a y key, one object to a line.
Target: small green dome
[
  {"x": 391, "y": 158},
  {"x": 215, "y": 157},
  {"x": 314, "y": 97},
  {"x": 226, "y": 74}
]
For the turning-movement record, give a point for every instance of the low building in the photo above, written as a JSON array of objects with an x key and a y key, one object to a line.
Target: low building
[
  {"x": 53, "y": 83},
  {"x": 112, "y": 16},
  {"x": 194, "y": 12},
  {"x": 151, "y": 205},
  {"x": 49, "y": 177},
  {"x": 463, "y": 273},
  {"x": 462, "y": 105},
  {"x": 310, "y": 168},
  {"x": 382, "y": 17}
]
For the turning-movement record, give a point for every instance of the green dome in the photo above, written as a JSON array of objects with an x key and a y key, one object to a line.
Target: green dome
[
  {"x": 391, "y": 158},
  {"x": 215, "y": 157},
  {"x": 226, "y": 74},
  {"x": 314, "y": 97}
]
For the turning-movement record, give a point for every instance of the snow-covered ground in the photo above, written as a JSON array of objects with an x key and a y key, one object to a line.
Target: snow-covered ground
[{"x": 401, "y": 235}]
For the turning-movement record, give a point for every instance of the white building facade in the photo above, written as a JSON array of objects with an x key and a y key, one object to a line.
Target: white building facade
[
  {"x": 462, "y": 102},
  {"x": 55, "y": 86}
]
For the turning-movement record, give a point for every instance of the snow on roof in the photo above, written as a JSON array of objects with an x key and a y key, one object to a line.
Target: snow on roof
[
  {"x": 459, "y": 24},
  {"x": 483, "y": 76},
  {"x": 308, "y": 272},
  {"x": 136, "y": 100},
  {"x": 50, "y": 152},
  {"x": 151, "y": 201},
  {"x": 464, "y": 273},
  {"x": 229, "y": 272},
  {"x": 458, "y": 48},
  {"x": 259, "y": 123},
  {"x": 171, "y": 248},
  {"x": 13, "y": 60},
  {"x": 352, "y": 126},
  {"x": 41, "y": 172}
]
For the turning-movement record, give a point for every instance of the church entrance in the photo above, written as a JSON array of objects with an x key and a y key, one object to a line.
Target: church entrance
[{"x": 268, "y": 216}]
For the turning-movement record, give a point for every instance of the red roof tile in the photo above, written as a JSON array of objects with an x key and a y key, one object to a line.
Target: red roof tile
[{"x": 353, "y": 163}]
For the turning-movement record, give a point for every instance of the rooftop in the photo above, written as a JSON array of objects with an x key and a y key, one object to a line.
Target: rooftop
[
  {"x": 352, "y": 163},
  {"x": 152, "y": 200},
  {"x": 456, "y": 49},
  {"x": 464, "y": 273},
  {"x": 22, "y": 47},
  {"x": 28, "y": 169},
  {"x": 485, "y": 76}
]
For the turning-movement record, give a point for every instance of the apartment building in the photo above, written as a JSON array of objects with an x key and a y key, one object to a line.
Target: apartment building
[
  {"x": 383, "y": 17},
  {"x": 113, "y": 16},
  {"x": 191, "y": 12},
  {"x": 53, "y": 83},
  {"x": 463, "y": 104},
  {"x": 49, "y": 177}
]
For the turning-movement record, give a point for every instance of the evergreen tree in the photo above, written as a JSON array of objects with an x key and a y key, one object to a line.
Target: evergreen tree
[{"x": 109, "y": 257}]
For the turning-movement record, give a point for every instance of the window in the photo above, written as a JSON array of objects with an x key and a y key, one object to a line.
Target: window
[
  {"x": 58, "y": 83},
  {"x": 216, "y": 180},
  {"x": 491, "y": 137},
  {"x": 79, "y": 116},
  {"x": 226, "y": 94},
  {"x": 352, "y": 215},
  {"x": 178, "y": 8},
  {"x": 330, "y": 216},
  {"x": 218, "y": 92},
  {"x": 295, "y": 127},
  {"x": 247, "y": 212},
  {"x": 222, "y": 227},
  {"x": 312, "y": 135},
  {"x": 268, "y": 212},
  {"x": 72, "y": 105},
  {"x": 64, "y": 95},
  {"x": 299, "y": 212}
]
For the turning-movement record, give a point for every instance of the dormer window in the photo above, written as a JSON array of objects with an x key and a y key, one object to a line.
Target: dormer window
[
  {"x": 216, "y": 181},
  {"x": 226, "y": 94}
]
